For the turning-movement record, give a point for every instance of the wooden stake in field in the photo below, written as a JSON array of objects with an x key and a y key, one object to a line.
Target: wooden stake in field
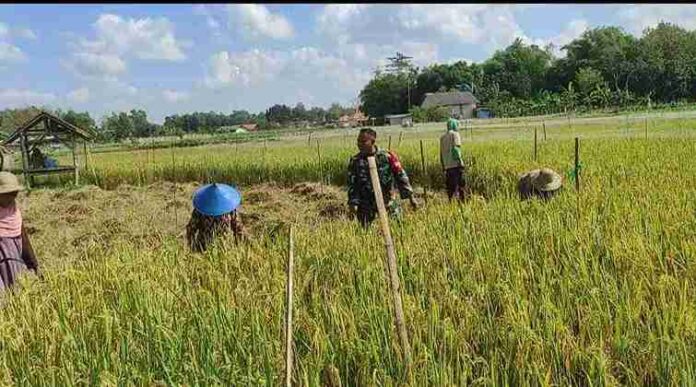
[
  {"x": 535, "y": 143},
  {"x": 401, "y": 136},
  {"x": 577, "y": 164},
  {"x": 309, "y": 139},
  {"x": 321, "y": 169},
  {"x": 543, "y": 123},
  {"x": 389, "y": 147},
  {"x": 646, "y": 128},
  {"x": 391, "y": 265},
  {"x": 288, "y": 311},
  {"x": 425, "y": 190}
]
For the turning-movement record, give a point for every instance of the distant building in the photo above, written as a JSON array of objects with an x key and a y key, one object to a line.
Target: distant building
[
  {"x": 482, "y": 112},
  {"x": 250, "y": 127},
  {"x": 399, "y": 119},
  {"x": 461, "y": 104},
  {"x": 352, "y": 120}
]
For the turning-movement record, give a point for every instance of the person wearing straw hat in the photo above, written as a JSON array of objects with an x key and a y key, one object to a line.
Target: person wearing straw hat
[
  {"x": 543, "y": 183},
  {"x": 16, "y": 253},
  {"x": 214, "y": 214},
  {"x": 452, "y": 162}
]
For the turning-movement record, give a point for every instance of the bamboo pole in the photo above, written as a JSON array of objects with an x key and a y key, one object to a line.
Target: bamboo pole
[
  {"x": 288, "y": 309},
  {"x": 425, "y": 190},
  {"x": 391, "y": 265}
]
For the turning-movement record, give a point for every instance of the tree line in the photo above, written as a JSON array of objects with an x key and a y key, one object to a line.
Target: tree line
[{"x": 604, "y": 68}]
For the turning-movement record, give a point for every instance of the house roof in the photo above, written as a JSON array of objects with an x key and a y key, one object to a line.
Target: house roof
[
  {"x": 397, "y": 115},
  {"x": 449, "y": 98},
  {"x": 60, "y": 126}
]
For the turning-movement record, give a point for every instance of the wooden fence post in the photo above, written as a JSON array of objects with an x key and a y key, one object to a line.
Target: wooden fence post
[
  {"x": 535, "y": 143},
  {"x": 288, "y": 312},
  {"x": 392, "y": 269},
  {"x": 425, "y": 173},
  {"x": 577, "y": 164},
  {"x": 544, "y": 125},
  {"x": 321, "y": 169}
]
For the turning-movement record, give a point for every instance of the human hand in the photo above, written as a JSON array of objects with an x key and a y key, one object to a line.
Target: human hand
[{"x": 414, "y": 202}]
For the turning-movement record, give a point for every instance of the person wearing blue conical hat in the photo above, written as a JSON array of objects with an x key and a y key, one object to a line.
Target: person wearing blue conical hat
[{"x": 214, "y": 214}]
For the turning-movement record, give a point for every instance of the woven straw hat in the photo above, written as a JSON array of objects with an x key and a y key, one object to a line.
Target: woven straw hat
[
  {"x": 545, "y": 179},
  {"x": 9, "y": 183}
]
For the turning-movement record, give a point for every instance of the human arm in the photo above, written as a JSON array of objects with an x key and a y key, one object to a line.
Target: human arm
[
  {"x": 353, "y": 198},
  {"x": 402, "y": 181},
  {"x": 28, "y": 255}
]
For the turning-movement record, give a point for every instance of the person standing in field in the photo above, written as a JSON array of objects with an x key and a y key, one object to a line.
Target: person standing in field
[
  {"x": 543, "y": 183},
  {"x": 214, "y": 215},
  {"x": 361, "y": 199},
  {"x": 451, "y": 160},
  {"x": 16, "y": 254}
]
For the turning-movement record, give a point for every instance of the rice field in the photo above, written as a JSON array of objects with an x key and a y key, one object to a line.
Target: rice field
[{"x": 593, "y": 288}]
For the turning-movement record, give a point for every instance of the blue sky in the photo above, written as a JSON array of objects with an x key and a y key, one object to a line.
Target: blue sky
[{"x": 180, "y": 58}]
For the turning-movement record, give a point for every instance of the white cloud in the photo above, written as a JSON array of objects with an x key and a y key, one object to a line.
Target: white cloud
[
  {"x": 97, "y": 65},
  {"x": 492, "y": 26},
  {"x": 16, "y": 98},
  {"x": 10, "y": 53},
  {"x": 174, "y": 96},
  {"x": 571, "y": 31},
  {"x": 80, "y": 95},
  {"x": 256, "y": 21},
  {"x": 638, "y": 17},
  {"x": 246, "y": 69},
  {"x": 118, "y": 39},
  {"x": 26, "y": 33},
  {"x": 147, "y": 39}
]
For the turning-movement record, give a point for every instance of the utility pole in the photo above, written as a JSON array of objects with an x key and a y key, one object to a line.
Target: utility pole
[{"x": 398, "y": 64}]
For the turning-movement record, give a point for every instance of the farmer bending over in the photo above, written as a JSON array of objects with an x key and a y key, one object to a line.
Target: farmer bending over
[
  {"x": 451, "y": 160},
  {"x": 543, "y": 183},
  {"x": 16, "y": 253},
  {"x": 361, "y": 198},
  {"x": 214, "y": 214}
]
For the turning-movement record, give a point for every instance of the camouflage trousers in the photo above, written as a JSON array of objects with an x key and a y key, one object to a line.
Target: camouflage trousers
[{"x": 366, "y": 215}]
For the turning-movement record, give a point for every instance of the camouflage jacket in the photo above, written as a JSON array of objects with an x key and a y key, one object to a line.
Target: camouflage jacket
[{"x": 390, "y": 172}]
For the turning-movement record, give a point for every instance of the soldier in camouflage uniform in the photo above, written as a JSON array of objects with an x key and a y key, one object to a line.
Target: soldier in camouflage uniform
[{"x": 361, "y": 197}]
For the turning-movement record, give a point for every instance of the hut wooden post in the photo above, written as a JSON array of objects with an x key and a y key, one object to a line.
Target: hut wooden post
[
  {"x": 25, "y": 160},
  {"x": 84, "y": 149},
  {"x": 74, "y": 157}
]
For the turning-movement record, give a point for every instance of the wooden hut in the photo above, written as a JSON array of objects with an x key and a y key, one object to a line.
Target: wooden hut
[{"x": 46, "y": 128}]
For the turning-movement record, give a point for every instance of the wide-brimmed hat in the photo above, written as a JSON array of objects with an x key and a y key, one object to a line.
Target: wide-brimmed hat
[
  {"x": 216, "y": 199},
  {"x": 9, "y": 183},
  {"x": 545, "y": 179}
]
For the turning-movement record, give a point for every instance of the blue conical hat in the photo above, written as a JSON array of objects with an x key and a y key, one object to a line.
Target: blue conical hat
[{"x": 216, "y": 199}]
